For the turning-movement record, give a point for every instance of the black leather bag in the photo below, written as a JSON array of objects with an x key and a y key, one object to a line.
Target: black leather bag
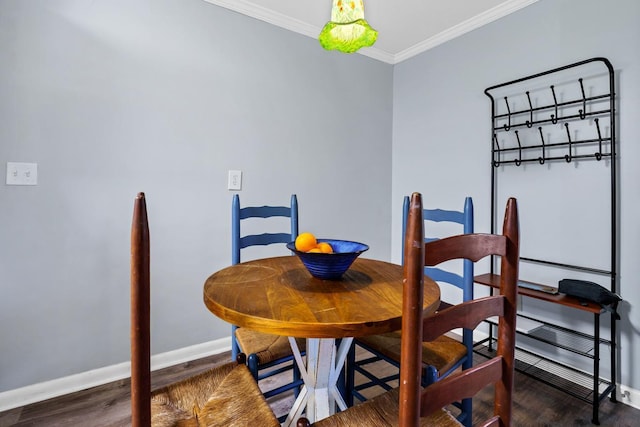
[{"x": 589, "y": 291}]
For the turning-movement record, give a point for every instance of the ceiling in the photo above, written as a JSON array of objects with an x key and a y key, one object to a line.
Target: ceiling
[{"x": 405, "y": 27}]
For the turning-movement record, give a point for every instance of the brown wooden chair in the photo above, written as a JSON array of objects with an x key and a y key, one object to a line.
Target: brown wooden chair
[
  {"x": 225, "y": 395},
  {"x": 410, "y": 405},
  {"x": 441, "y": 356}
]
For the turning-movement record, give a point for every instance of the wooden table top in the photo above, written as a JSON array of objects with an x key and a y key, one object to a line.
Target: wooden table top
[{"x": 279, "y": 296}]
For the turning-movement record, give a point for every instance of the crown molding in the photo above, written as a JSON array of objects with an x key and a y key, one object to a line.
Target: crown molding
[
  {"x": 471, "y": 24},
  {"x": 267, "y": 15},
  {"x": 258, "y": 12}
]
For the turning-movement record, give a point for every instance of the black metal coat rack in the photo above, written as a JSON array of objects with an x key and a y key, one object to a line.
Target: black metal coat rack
[{"x": 572, "y": 119}]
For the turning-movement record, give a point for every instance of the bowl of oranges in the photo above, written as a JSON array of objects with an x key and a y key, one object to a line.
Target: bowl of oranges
[{"x": 326, "y": 258}]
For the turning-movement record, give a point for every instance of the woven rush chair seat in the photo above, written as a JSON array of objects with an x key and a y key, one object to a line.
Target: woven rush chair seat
[
  {"x": 441, "y": 353},
  {"x": 267, "y": 347},
  {"x": 224, "y": 396},
  {"x": 381, "y": 411}
]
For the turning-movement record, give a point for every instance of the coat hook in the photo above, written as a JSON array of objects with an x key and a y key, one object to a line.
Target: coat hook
[
  {"x": 496, "y": 163},
  {"x": 583, "y": 111},
  {"x": 530, "y": 121},
  {"x": 518, "y": 161},
  {"x": 599, "y": 153},
  {"x": 541, "y": 159},
  {"x": 554, "y": 117},
  {"x": 507, "y": 127},
  {"x": 567, "y": 157}
]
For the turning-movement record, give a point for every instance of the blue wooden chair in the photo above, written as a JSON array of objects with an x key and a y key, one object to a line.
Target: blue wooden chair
[
  {"x": 441, "y": 356},
  {"x": 267, "y": 355}
]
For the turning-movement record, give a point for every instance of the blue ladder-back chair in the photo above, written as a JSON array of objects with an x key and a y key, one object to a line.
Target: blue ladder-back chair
[
  {"x": 267, "y": 355},
  {"x": 440, "y": 357}
]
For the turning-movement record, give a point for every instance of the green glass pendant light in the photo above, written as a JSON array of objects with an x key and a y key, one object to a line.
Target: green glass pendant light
[{"x": 347, "y": 31}]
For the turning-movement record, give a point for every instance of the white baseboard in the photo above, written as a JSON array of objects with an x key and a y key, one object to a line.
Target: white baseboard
[
  {"x": 629, "y": 396},
  {"x": 46, "y": 390}
]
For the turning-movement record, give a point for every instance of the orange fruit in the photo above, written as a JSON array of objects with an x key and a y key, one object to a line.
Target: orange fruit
[
  {"x": 325, "y": 247},
  {"x": 316, "y": 249},
  {"x": 305, "y": 242}
]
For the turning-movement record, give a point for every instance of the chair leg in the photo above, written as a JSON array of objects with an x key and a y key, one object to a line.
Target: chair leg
[
  {"x": 341, "y": 383},
  {"x": 466, "y": 415},
  {"x": 296, "y": 378},
  {"x": 252, "y": 364},
  {"x": 466, "y": 404},
  {"x": 235, "y": 348},
  {"x": 351, "y": 373}
]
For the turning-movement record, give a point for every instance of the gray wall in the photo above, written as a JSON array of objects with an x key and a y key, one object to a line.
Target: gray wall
[
  {"x": 441, "y": 143},
  {"x": 165, "y": 96}
]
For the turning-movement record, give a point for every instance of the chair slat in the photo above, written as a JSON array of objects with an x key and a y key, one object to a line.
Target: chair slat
[
  {"x": 264, "y": 239},
  {"x": 464, "y": 315},
  {"x": 473, "y": 247},
  {"x": 265, "y": 212},
  {"x": 442, "y": 215},
  {"x": 461, "y": 385}
]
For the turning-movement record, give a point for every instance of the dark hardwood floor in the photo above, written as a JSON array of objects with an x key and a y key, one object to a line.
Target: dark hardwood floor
[{"x": 535, "y": 404}]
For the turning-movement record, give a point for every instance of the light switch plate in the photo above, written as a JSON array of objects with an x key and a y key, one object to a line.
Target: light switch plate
[
  {"x": 22, "y": 173},
  {"x": 235, "y": 180}
]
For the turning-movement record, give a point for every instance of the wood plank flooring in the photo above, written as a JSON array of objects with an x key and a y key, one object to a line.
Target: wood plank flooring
[{"x": 535, "y": 404}]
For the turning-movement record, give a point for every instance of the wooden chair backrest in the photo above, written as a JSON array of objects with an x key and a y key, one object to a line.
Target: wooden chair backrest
[
  {"x": 240, "y": 241},
  {"x": 415, "y": 402},
  {"x": 140, "y": 316}
]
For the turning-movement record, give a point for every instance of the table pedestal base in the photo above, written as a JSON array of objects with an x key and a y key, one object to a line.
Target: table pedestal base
[{"x": 320, "y": 374}]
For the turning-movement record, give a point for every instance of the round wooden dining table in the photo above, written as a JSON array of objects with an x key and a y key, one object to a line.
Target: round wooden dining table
[{"x": 279, "y": 296}]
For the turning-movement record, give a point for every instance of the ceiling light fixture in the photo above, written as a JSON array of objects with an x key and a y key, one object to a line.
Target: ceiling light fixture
[{"x": 347, "y": 31}]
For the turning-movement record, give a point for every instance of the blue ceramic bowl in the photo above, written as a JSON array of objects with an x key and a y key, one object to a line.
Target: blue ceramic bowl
[{"x": 330, "y": 266}]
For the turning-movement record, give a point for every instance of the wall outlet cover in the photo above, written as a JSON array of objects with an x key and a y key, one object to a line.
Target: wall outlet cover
[{"x": 22, "y": 173}]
